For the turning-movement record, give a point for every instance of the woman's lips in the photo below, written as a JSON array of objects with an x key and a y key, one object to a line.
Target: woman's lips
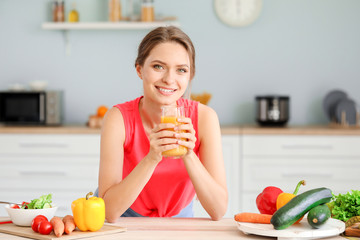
[{"x": 166, "y": 91}]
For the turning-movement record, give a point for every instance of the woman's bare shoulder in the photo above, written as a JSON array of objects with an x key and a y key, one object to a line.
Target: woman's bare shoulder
[
  {"x": 113, "y": 122},
  {"x": 205, "y": 112},
  {"x": 207, "y": 119}
]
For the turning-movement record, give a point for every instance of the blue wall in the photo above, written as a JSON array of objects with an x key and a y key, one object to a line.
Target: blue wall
[{"x": 301, "y": 48}]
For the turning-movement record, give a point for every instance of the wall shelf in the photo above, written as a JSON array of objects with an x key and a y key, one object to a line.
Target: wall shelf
[
  {"x": 106, "y": 25},
  {"x": 122, "y": 25}
]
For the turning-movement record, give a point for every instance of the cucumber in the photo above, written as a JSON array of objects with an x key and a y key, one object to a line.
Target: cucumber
[
  {"x": 318, "y": 215},
  {"x": 298, "y": 206}
]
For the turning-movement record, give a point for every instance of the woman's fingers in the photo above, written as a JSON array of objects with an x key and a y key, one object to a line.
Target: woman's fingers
[
  {"x": 185, "y": 126},
  {"x": 188, "y": 144},
  {"x": 185, "y": 133},
  {"x": 167, "y": 136},
  {"x": 163, "y": 126}
]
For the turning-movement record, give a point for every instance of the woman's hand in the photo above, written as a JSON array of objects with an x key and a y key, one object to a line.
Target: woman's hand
[
  {"x": 185, "y": 134},
  {"x": 162, "y": 138}
]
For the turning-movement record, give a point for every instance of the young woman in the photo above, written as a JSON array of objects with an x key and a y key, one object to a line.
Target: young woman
[{"x": 134, "y": 178}]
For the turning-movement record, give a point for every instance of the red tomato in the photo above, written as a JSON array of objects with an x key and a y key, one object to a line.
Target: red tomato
[
  {"x": 15, "y": 206},
  {"x": 45, "y": 227},
  {"x": 36, "y": 221}
]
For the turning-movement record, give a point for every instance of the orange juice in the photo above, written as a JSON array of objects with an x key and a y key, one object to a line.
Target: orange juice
[{"x": 180, "y": 150}]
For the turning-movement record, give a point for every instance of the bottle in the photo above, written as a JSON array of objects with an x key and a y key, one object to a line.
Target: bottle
[
  {"x": 73, "y": 14},
  {"x": 147, "y": 11},
  {"x": 54, "y": 11},
  {"x": 59, "y": 11},
  {"x": 114, "y": 10}
]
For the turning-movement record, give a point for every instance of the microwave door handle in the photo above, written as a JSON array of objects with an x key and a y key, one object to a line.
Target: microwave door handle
[{"x": 42, "y": 107}]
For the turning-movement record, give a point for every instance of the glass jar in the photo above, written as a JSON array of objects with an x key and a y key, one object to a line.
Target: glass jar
[
  {"x": 114, "y": 10},
  {"x": 147, "y": 11}
]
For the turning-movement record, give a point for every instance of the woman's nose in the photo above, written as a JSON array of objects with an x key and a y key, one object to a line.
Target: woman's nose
[{"x": 169, "y": 77}]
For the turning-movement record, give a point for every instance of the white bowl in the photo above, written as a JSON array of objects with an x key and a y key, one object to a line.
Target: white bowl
[
  {"x": 38, "y": 85},
  {"x": 24, "y": 217}
]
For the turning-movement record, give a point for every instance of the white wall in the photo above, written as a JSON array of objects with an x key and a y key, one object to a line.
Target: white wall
[{"x": 301, "y": 48}]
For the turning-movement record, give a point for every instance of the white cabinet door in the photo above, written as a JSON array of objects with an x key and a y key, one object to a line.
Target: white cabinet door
[
  {"x": 282, "y": 161},
  {"x": 231, "y": 153},
  {"x": 65, "y": 165}
]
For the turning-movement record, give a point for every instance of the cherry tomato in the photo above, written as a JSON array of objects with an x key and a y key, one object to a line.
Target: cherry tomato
[
  {"x": 15, "y": 206},
  {"x": 36, "y": 221},
  {"x": 45, "y": 227}
]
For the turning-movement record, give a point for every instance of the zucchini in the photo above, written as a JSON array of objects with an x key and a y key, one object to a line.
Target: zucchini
[
  {"x": 318, "y": 215},
  {"x": 298, "y": 206}
]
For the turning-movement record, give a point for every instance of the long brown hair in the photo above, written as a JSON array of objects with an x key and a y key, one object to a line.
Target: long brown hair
[{"x": 162, "y": 35}]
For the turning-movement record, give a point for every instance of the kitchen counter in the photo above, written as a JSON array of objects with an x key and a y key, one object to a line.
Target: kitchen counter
[
  {"x": 64, "y": 129},
  {"x": 175, "y": 228},
  {"x": 300, "y": 130},
  {"x": 225, "y": 130}
]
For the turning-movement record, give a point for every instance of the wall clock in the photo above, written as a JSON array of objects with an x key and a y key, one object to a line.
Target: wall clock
[{"x": 237, "y": 13}]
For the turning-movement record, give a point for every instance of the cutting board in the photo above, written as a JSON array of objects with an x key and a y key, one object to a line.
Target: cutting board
[
  {"x": 300, "y": 231},
  {"x": 12, "y": 229}
]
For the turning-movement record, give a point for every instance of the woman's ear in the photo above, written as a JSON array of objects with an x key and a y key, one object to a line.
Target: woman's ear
[{"x": 138, "y": 71}]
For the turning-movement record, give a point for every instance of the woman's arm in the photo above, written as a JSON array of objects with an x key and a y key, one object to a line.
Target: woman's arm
[
  {"x": 119, "y": 194},
  {"x": 208, "y": 175}
]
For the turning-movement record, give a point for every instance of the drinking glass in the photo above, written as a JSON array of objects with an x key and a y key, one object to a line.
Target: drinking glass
[{"x": 170, "y": 114}]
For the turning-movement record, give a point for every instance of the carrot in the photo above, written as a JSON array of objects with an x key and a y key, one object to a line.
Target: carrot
[
  {"x": 252, "y": 217},
  {"x": 58, "y": 226},
  {"x": 69, "y": 224}
]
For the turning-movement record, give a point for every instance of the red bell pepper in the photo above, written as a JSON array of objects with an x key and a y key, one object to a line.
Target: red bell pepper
[{"x": 266, "y": 201}]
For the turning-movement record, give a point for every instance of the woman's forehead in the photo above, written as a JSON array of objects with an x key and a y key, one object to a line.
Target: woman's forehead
[{"x": 169, "y": 51}]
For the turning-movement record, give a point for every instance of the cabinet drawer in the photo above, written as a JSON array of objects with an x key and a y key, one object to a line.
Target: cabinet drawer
[
  {"x": 45, "y": 144},
  {"x": 336, "y": 173},
  {"x": 248, "y": 201},
  {"x": 48, "y": 173},
  {"x": 275, "y": 145}
]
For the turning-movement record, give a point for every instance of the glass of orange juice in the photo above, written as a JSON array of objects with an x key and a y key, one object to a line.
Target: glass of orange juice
[{"x": 170, "y": 114}]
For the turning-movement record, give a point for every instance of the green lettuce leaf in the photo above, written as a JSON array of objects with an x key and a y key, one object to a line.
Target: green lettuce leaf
[
  {"x": 345, "y": 206},
  {"x": 39, "y": 203}
]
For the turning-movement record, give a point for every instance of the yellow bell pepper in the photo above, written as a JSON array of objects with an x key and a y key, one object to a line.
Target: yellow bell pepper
[
  {"x": 89, "y": 213},
  {"x": 284, "y": 198}
]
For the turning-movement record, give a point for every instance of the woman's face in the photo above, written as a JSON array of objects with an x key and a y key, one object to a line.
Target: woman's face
[{"x": 166, "y": 73}]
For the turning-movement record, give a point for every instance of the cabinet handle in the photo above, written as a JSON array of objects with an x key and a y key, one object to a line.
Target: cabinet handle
[
  {"x": 307, "y": 175},
  {"x": 43, "y": 145},
  {"x": 307, "y": 147},
  {"x": 40, "y": 173}
]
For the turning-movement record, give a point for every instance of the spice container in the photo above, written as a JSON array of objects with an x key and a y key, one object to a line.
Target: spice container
[
  {"x": 147, "y": 11},
  {"x": 58, "y": 11},
  {"x": 114, "y": 10}
]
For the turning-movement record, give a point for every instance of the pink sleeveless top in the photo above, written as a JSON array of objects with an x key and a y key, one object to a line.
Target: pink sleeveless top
[{"x": 169, "y": 189}]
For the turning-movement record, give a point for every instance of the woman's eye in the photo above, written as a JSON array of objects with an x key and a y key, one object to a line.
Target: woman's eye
[
  {"x": 158, "y": 66},
  {"x": 182, "y": 70}
]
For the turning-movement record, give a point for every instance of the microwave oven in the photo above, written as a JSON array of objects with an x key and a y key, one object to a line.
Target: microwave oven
[{"x": 31, "y": 108}]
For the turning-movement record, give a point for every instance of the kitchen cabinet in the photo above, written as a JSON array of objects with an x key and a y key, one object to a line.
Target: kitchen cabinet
[
  {"x": 231, "y": 154},
  {"x": 284, "y": 160},
  {"x": 65, "y": 165},
  {"x": 65, "y": 161}
]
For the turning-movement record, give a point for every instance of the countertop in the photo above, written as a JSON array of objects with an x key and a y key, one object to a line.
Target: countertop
[
  {"x": 175, "y": 228},
  {"x": 225, "y": 130}
]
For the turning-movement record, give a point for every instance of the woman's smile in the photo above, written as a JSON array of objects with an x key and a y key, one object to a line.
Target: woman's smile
[{"x": 166, "y": 91}]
